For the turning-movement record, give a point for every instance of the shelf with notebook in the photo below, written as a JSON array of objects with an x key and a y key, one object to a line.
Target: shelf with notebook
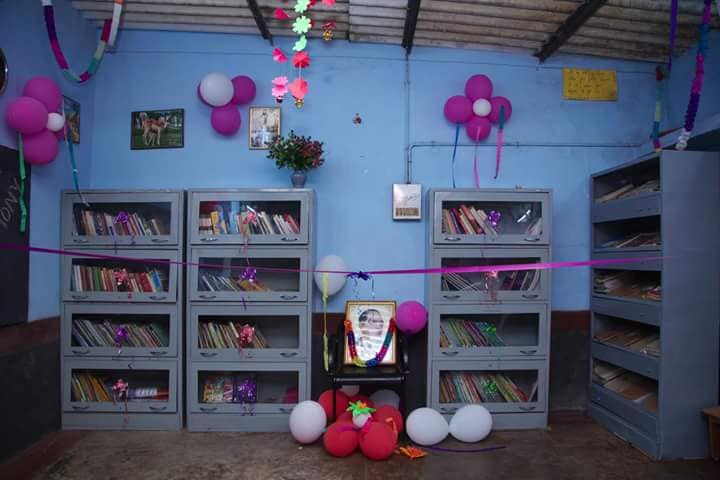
[
  {"x": 636, "y": 392},
  {"x": 640, "y": 234},
  {"x": 633, "y": 192},
  {"x": 492, "y": 221},
  {"x": 628, "y": 284},
  {"x": 490, "y": 388}
]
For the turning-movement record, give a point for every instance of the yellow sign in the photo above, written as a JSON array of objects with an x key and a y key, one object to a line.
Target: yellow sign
[{"x": 587, "y": 84}]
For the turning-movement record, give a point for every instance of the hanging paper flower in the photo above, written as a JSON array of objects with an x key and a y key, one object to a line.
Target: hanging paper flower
[
  {"x": 328, "y": 28},
  {"x": 298, "y": 88},
  {"x": 300, "y": 44},
  {"x": 301, "y": 6},
  {"x": 301, "y": 25},
  {"x": 301, "y": 60},
  {"x": 279, "y": 56},
  {"x": 329, "y": 3},
  {"x": 279, "y": 88},
  {"x": 280, "y": 14},
  {"x": 312, "y": 3}
]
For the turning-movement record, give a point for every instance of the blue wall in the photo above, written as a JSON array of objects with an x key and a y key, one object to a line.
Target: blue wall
[
  {"x": 24, "y": 40},
  {"x": 161, "y": 70}
]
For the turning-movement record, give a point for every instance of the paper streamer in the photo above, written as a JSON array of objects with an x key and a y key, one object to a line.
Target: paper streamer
[
  {"x": 325, "y": 283},
  {"x": 472, "y": 450},
  {"x": 498, "y": 153},
  {"x": 457, "y": 135},
  {"x": 21, "y": 168}
]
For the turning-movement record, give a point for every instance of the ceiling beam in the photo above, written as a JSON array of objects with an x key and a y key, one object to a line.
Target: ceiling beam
[
  {"x": 571, "y": 25},
  {"x": 260, "y": 21},
  {"x": 413, "y": 9}
]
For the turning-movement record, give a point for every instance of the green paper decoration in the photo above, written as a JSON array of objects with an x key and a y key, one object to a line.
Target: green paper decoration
[
  {"x": 300, "y": 44},
  {"x": 301, "y": 25},
  {"x": 301, "y": 6}
]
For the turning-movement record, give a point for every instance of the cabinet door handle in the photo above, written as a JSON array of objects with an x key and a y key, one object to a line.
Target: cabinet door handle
[
  {"x": 452, "y": 297},
  {"x": 451, "y": 353},
  {"x": 288, "y": 297},
  {"x": 452, "y": 239},
  {"x": 79, "y": 297},
  {"x": 156, "y": 408},
  {"x": 532, "y": 239},
  {"x": 288, "y": 354},
  {"x": 160, "y": 240},
  {"x": 208, "y": 354},
  {"x": 530, "y": 295},
  {"x": 208, "y": 409},
  {"x": 208, "y": 239},
  {"x": 526, "y": 409},
  {"x": 158, "y": 352},
  {"x": 285, "y": 410},
  {"x": 80, "y": 240},
  {"x": 157, "y": 298},
  {"x": 84, "y": 351},
  {"x": 448, "y": 410},
  {"x": 80, "y": 407},
  {"x": 289, "y": 239},
  {"x": 207, "y": 297},
  {"x": 528, "y": 352}
]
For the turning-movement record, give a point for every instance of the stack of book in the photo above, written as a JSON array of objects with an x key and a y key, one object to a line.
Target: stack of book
[
  {"x": 101, "y": 333},
  {"x": 630, "y": 190},
  {"x": 637, "y": 338},
  {"x": 466, "y": 220},
  {"x": 87, "y": 278},
  {"x": 457, "y": 332},
  {"x": 631, "y": 386},
  {"x": 624, "y": 283},
  {"x": 219, "y": 283},
  {"x": 227, "y": 335},
  {"x": 91, "y": 223},
  {"x": 485, "y": 387},
  {"x": 635, "y": 241},
  {"x": 93, "y": 387},
  {"x": 222, "y": 221},
  {"x": 525, "y": 280}
]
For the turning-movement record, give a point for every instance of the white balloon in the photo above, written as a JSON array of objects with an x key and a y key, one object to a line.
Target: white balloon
[
  {"x": 426, "y": 426},
  {"x": 360, "y": 420},
  {"x": 481, "y": 107},
  {"x": 55, "y": 122},
  {"x": 350, "y": 390},
  {"x": 307, "y": 421},
  {"x": 471, "y": 423},
  {"x": 336, "y": 281},
  {"x": 216, "y": 89},
  {"x": 385, "y": 397}
]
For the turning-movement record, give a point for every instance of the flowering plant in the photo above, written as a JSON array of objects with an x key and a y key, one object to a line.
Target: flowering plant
[{"x": 296, "y": 152}]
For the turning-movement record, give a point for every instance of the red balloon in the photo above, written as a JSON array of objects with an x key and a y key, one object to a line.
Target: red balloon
[
  {"x": 341, "y": 439},
  {"x": 363, "y": 398},
  {"x": 387, "y": 412},
  {"x": 326, "y": 401},
  {"x": 478, "y": 86},
  {"x": 495, "y": 104},
  {"x": 345, "y": 417},
  {"x": 478, "y": 128},
  {"x": 379, "y": 442},
  {"x": 41, "y": 148},
  {"x": 458, "y": 109}
]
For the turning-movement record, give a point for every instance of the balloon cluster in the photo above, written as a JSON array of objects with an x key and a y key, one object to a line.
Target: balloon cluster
[
  {"x": 34, "y": 116},
  {"x": 477, "y": 109},
  {"x": 224, "y": 95},
  {"x": 470, "y": 424}
]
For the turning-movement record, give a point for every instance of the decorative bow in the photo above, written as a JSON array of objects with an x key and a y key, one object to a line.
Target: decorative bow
[
  {"x": 121, "y": 336},
  {"x": 246, "y": 393},
  {"x": 494, "y": 218},
  {"x": 120, "y": 392}
]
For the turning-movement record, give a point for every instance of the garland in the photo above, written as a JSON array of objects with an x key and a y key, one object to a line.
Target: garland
[
  {"x": 380, "y": 355},
  {"x": 108, "y": 36}
]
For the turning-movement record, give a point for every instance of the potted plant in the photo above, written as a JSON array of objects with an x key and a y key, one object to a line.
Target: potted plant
[{"x": 298, "y": 153}]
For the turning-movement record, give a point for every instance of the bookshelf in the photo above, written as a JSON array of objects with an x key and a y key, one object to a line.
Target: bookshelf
[
  {"x": 137, "y": 294},
  {"x": 236, "y": 384},
  {"x": 489, "y": 335},
  {"x": 654, "y": 351}
]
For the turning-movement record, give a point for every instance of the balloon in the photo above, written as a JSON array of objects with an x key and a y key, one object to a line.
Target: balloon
[
  {"x": 216, "y": 89},
  {"x": 44, "y": 90},
  {"x": 478, "y": 86},
  {"x": 307, "y": 421},
  {"x": 426, "y": 426},
  {"x": 336, "y": 281},
  {"x": 478, "y": 128},
  {"x": 341, "y": 439},
  {"x": 350, "y": 390},
  {"x": 41, "y": 148},
  {"x": 226, "y": 120},
  {"x": 386, "y": 412},
  {"x": 26, "y": 115},
  {"x": 378, "y": 442},
  {"x": 385, "y": 397},
  {"x": 481, "y": 107},
  {"x": 471, "y": 423},
  {"x": 345, "y": 417},
  {"x": 458, "y": 109},
  {"x": 243, "y": 90},
  {"x": 341, "y": 402},
  {"x": 200, "y": 96},
  {"x": 55, "y": 122},
  {"x": 411, "y": 316},
  {"x": 496, "y": 103}
]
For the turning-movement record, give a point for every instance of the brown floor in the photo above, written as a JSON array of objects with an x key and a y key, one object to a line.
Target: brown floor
[{"x": 566, "y": 451}]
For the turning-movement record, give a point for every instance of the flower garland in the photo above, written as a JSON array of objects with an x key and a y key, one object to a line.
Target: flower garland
[{"x": 380, "y": 355}]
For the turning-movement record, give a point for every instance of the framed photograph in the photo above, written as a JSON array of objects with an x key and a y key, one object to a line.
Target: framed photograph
[
  {"x": 264, "y": 127},
  {"x": 407, "y": 201},
  {"x": 370, "y": 321},
  {"x": 157, "y": 129},
  {"x": 71, "y": 108}
]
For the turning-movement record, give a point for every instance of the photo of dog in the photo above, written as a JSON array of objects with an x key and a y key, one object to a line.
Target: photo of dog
[{"x": 157, "y": 129}]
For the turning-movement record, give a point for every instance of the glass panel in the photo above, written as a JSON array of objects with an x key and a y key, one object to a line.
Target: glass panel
[
  {"x": 248, "y": 387},
  {"x": 634, "y": 336},
  {"x": 489, "y": 330},
  {"x": 90, "y": 385},
  {"x": 638, "y": 233},
  {"x": 519, "y": 280},
  {"x": 628, "y": 283},
  {"x": 94, "y": 275},
  {"x": 633, "y": 387},
  {"x": 267, "y": 331},
  {"x": 234, "y": 275},
  {"x": 491, "y": 386},
  {"x": 492, "y": 218},
  {"x": 104, "y": 330},
  {"x": 129, "y": 219},
  {"x": 639, "y": 179},
  {"x": 260, "y": 218}
]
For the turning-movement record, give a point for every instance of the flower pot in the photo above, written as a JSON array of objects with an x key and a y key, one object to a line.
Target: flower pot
[{"x": 298, "y": 178}]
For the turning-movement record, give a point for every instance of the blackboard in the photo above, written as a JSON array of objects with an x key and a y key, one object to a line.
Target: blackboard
[{"x": 14, "y": 264}]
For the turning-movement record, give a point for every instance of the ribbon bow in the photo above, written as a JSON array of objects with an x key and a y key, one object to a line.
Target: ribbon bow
[
  {"x": 120, "y": 392},
  {"x": 121, "y": 336},
  {"x": 246, "y": 393}
]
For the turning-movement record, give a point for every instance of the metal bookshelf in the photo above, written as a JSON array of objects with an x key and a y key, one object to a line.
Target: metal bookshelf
[{"x": 659, "y": 409}]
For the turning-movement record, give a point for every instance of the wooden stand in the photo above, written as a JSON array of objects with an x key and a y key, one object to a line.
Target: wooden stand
[{"x": 713, "y": 415}]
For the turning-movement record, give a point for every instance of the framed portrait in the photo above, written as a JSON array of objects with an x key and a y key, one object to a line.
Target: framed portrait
[
  {"x": 370, "y": 321},
  {"x": 150, "y": 129},
  {"x": 72, "y": 118},
  {"x": 407, "y": 201},
  {"x": 264, "y": 126}
]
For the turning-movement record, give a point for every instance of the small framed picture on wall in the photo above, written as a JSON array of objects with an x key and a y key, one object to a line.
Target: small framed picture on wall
[
  {"x": 264, "y": 126},
  {"x": 407, "y": 201},
  {"x": 150, "y": 129},
  {"x": 72, "y": 118}
]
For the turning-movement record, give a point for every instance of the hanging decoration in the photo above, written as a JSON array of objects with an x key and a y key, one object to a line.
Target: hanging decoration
[
  {"x": 328, "y": 31},
  {"x": 223, "y": 94},
  {"x": 246, "y": 395},
  {"x": 298, "y": 88},
  {"x": 380, "y": 355},
  {"x": 109, "y": 33},
  {"x": 661, "y": 77},
  {"x": 120, "y": 393},
  {"x": 280, "y": 14},
  {"x": 121, "y": 337},
  {"x": 279, "y": 56},
  {"x": 280, "y": 88}
]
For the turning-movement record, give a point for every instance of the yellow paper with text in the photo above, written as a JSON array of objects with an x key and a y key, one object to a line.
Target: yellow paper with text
[{"x": 588, "y": 84}]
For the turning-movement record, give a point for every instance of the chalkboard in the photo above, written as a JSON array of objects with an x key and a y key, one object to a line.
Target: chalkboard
[{"x": 15, "y": 263}]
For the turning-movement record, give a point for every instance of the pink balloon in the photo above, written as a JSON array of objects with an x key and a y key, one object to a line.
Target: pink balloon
[
  {"x": 243, "y": 90},
  {"x": 458, "y": 109},
  {"x": 45, "y": 90},
  {"x": 60, "y": 134},
  {"x": 411, "y": 317},
  {"x": 40, "y": 149},
  {"x": 478, "y": 86},
  {"x": 26, "y": 115},
  {"x": 226, "y": 120},
  {"x": 478, "y": 128},
  {"x": 201, "y": 98},
  {"x": 496, "y": 103}
]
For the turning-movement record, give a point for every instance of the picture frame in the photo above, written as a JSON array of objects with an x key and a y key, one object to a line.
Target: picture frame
[
  {"x": 154, "y": 129},
  {"x": 370, "y": 321},
  {"x": 71, "y": 109},
  {"x": 407, "y": 201},
  {"x": 264, "y": 124}
]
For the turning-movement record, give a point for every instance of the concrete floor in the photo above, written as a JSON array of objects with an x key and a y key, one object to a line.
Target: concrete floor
[{"x": 566, "y": 451}]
